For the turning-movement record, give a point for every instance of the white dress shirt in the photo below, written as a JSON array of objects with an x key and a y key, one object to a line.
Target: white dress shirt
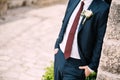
[{"x": 74, "y": 52}]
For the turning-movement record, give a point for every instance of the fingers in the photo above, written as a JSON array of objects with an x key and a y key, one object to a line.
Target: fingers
[
  {"x": 82, "y": 67},
  {"x": 87, "y": 72},
  {"x": 56, "y": 50}
]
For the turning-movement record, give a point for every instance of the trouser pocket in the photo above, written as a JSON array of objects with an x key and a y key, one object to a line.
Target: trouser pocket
[{"x": 73, "y": 70}]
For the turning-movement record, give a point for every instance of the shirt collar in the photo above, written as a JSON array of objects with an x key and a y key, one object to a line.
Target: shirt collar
[{"x": 87, "y": 1}]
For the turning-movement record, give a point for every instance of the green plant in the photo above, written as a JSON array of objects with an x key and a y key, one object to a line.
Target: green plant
[
  {"x": 92, "y": 76},
  {"x": 49, "y": 74}
]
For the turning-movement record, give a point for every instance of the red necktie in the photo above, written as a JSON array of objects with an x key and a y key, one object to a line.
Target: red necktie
[{"x": 70, "y": 39}]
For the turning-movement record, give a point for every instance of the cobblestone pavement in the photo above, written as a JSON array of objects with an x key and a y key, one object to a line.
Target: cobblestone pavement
[{"x": 26, "y": 44}]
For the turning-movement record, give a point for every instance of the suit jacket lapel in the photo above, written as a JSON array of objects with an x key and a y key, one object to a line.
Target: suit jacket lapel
[
  {"x": 93, "y": 8},
  {"x": 70, "y": 10}
]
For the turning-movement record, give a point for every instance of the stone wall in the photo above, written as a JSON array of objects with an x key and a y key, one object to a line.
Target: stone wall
[
  {"x": 18, "y": 3},
  {"x": 110, "y": 61},
  {"x": 49, "y": 2},
  {"x": 3, "y": 7}
]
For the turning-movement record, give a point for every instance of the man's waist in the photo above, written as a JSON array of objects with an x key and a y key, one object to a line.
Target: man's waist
[{"x": 74, "y": 54}]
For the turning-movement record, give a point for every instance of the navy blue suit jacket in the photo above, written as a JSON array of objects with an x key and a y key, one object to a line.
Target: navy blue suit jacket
[{"x": 91, "y": 34}]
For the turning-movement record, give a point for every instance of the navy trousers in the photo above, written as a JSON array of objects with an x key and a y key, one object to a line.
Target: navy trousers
[{"x": 67, "y": 69}]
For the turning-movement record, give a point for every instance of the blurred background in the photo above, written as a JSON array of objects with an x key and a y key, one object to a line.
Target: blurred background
[{"x": 28, "y": 30}]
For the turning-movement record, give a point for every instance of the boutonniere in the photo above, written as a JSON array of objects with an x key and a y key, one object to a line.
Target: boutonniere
[{"x": 87, "y": 14}]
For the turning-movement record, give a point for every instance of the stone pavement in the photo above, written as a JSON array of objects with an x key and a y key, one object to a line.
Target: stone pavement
[{"x": 26, "y": 43}]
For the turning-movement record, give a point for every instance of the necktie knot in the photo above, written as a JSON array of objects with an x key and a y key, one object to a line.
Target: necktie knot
[{"x": 82, "y": 3}]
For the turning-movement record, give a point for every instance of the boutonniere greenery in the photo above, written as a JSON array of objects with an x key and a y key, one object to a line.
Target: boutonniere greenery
[{"x": 87, "y": 14}]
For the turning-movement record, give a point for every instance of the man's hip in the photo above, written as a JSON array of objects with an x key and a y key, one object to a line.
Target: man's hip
[{"x": 68, "y": 69}]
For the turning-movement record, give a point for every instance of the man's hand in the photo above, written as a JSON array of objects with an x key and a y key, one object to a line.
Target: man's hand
[
  {"x": 87, "y": 71},
  {"x": 56, "y": 50}
]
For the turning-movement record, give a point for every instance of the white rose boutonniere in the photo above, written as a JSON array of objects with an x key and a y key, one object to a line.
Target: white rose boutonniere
[{"x": 87, "y": 14}]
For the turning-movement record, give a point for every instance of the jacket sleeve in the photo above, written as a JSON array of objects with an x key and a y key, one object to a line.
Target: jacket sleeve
[{"x": 101, "y": 29}]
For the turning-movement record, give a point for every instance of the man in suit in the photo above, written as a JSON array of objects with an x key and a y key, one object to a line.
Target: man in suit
[{"x": 78, "y": 46}]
